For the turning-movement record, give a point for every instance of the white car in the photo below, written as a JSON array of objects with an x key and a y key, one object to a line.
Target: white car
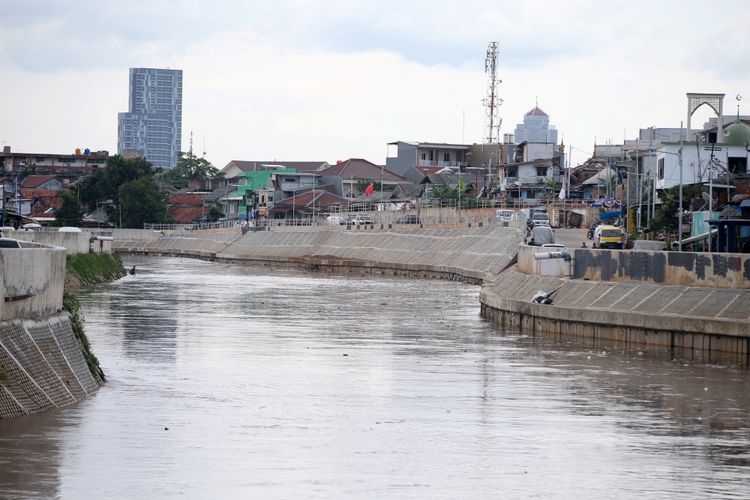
[{"x": 69, "y": 229}]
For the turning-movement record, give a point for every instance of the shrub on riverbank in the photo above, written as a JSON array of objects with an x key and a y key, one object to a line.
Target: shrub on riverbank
[
  {"x": 92, "y": 268},
  {"x": 71, "y": 305}
]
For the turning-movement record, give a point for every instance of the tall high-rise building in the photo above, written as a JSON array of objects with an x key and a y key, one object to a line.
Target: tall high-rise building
[{"x": 152, "y": 126}]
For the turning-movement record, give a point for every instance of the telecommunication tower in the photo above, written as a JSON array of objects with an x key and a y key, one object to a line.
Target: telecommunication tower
[{"x": 492, "y": 102}]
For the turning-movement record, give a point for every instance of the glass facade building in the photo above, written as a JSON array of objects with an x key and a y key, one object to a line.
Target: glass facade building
[{"x": 152, "y": 126}]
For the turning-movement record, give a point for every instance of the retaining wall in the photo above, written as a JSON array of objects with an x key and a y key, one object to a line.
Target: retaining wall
[
  {"x": 689, "y": 322},
  {"x": 472, "y": 253},
  {"x": 72, "y": 242},
  {"x": 32, "y": 281},
  {"x": 721, "y": 270},
  {"x": 41, "y": 366}
]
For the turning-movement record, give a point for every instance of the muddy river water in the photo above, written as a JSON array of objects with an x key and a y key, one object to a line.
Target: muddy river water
[{"x": 229, "y": 382}]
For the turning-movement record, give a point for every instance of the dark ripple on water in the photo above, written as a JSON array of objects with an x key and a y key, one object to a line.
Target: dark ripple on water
[{"x": 232, "y": 382}]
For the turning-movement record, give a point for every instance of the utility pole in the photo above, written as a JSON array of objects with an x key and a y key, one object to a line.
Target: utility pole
[{"x": 679, "y": 216}]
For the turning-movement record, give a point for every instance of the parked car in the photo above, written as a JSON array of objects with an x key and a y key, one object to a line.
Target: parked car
[
  {"x": 504, "y": 216},
  {"x": 359, "y": 220},
  {"x": 9, "y": 243},
  {"x": 540, "y": 235},
  {"x": 408, "y": 219},
  {"x": 336, "y": 220}
]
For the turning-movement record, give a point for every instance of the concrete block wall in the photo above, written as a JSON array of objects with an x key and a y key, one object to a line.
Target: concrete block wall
[
  {"x": 72, "y": 242},
  {"x": 670, "y": 268},
  {"x": 32, "y": 282},
  {"x": 42, "y": 366},
  {"x": 548, "y": 267}
]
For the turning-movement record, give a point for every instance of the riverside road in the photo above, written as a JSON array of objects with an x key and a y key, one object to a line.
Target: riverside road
[{"x": 231, "y": 382}]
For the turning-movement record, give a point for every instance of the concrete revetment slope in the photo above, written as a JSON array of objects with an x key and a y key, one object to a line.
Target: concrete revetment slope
[{"x": 42, "y": 365}]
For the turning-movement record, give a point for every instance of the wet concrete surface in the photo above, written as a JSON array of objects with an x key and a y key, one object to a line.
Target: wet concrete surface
[{"x": 229, "y": 382}]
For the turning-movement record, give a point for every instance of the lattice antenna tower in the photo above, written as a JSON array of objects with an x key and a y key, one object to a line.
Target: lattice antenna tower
[{"x": 492, "y": 102}]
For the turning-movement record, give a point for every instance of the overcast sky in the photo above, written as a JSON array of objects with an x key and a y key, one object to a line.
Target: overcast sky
[{"x": 331, "y": 80}]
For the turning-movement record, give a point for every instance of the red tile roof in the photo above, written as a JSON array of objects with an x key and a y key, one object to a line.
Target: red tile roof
[
  {"x": 186, "y": 215},
  {"x": 358, "y": 168},
  {"x": 34, "y": 181}
]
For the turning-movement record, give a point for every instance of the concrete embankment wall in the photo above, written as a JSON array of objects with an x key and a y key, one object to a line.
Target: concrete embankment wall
[
  {"x": 73, "y": 242},
  {"x": 721, "y": 270},
  {"x": 465, "y": 253},
  {"x": 706, "y": 324},
  {"x": 32, "y": 282},
  {"x": 41, "y": 361}
]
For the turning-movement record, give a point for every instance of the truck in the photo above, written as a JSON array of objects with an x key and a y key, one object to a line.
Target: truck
[{"x": 606, "y": 236}]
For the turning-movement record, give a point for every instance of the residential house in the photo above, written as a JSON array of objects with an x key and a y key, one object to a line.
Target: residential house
[
  {"x": 186, "y": 208},
  {"x": 235, "y": 167},
  {"x": 64, "y": 166},
  {"x": 308, "y": 203},
  {"x": 46, "y": 182},
  {"x": 405, "y": 157},
  {"x": 353, "y": 171}
]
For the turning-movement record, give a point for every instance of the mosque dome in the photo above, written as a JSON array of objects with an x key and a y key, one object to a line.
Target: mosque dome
[{"x": 737, "y": 134}]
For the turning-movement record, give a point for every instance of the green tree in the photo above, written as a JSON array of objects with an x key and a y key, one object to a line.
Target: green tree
[
  {"x": 191, "y": 168},
  {"x": 70, "y": 212},
  {"x": 104, "y": 185},
  {"x": 667, "y": 215},
  {"x": 444, "y": 193},
  {"x": 214, "y": 214},
  {"x": 142, "y": 202}
]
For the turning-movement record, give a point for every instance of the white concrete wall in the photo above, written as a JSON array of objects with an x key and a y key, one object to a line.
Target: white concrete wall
[
  {"x": 550, "y": 267},
  {"x": 32, "y": 282},
  {"x": 73, "y": 242}
]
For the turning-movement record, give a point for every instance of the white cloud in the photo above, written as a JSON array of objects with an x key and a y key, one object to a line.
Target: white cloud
[{"x": 330, "y": 80}]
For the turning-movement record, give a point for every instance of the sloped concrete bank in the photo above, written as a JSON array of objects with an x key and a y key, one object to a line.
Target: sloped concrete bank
[
  {"x": 693, "y": 323},
  {"x": 42, "y": 363},
  {"x": 467, "y": 254}
]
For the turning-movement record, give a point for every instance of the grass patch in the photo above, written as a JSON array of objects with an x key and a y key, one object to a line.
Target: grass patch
[
  {"x": 71, "y": 304},
  {"x": 93, "y": 268}
]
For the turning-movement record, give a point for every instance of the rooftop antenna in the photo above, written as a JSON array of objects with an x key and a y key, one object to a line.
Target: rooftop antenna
[
  {"x": 492, "y": 102},
  {"x": 204, "y": 145},
  {"x": 191, "y": 143}
]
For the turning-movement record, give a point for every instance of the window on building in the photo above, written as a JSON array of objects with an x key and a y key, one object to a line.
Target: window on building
[
  {"x": 512, "y": 172},
  {"x": 737, "y": 165},
  {"x": 541, "y": 171},
  {"x": 424, "y": 156},
  {"x": 432, "y": 156},
  {"x": 660, "y": 164},
  {"x": 446, "y": 157}
]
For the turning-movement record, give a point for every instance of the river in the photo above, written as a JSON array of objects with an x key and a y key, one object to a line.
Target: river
[{"x": 230, "y": 382}]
